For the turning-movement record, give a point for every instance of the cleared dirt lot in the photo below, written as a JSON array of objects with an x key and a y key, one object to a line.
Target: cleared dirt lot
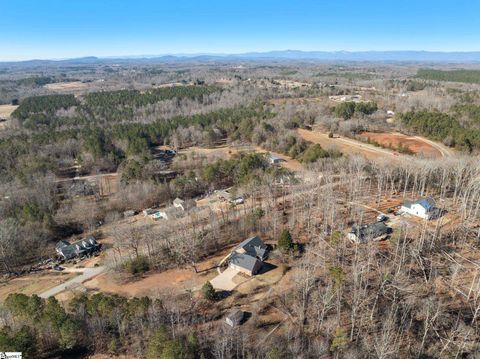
[
  {"x": 346, "y": 145},
  {"x": 65, "y": 86},
  {"x": 416, "y": 144},
  {"x": 178, "y": 280},
  {"x": 6, "y": 110},
  {"x": 349, "y": 146},
  {"x": 33, "y": 283}
]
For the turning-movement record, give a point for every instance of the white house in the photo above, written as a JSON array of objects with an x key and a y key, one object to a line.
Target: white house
[{"x": 423, "y": 208}]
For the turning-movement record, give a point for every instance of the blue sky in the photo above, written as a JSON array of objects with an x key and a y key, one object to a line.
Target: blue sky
[{"x": 73, "y": 28}]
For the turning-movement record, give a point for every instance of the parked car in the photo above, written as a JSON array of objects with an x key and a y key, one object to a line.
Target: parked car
[
  {"x": 381, "y": 217},
  {"x": 237, "y": 200}
]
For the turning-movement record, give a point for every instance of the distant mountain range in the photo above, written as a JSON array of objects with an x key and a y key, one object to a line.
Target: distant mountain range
[{"x": 292, "y": 55}]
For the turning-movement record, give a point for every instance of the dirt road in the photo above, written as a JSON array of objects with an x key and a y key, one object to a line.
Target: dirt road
[
  {"x": 87, "y": 273},
  {"x": 444, "y": 150}
]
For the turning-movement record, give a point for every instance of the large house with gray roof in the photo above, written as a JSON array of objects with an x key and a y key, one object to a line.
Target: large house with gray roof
[
  {"x": 248, "y": 256},
  {"x": 78, "y": 249}
]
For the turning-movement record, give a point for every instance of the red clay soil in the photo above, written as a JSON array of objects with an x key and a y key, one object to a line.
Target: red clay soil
[{"x": 395, "y": 139}]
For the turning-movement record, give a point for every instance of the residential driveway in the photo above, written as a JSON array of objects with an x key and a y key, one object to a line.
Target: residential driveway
[
  {"x": 224, "y": 281},
  {"x": 87, "y": 274}
]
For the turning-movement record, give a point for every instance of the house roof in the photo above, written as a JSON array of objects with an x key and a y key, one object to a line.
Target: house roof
[
  {"x": 84, "y": 245},
  {"x": 254, "y": 246},
  {"x": 275, "y": 158},
  {"x": 370, "y": 231},
  {"x": 235, "y": 316},
  {"x": 244, "y": 260},
  {"x": 425, "y": 202}
]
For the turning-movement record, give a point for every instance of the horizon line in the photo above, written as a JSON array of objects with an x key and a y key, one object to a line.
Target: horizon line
[{"x": 226, "y": 54}]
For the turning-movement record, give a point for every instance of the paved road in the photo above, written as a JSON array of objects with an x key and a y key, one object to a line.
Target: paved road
[{"x": 87, "y": 274}]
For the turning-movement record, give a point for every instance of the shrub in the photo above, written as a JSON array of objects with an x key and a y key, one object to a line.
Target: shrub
[
  {"x": 137, "y": 265},
  {"x": 209, "y": 292}
]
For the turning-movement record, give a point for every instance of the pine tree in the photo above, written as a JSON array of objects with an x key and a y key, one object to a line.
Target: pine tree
[
  {"x": 209, "y": 292},
  {"x": 285, "y": 242}
]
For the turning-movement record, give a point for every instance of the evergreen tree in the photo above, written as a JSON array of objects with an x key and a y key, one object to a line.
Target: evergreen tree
[
  {"x": 209, "y": 292},
  {"x": 285, "y": 242}
]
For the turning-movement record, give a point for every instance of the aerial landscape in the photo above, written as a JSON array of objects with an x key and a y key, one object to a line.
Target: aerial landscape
[{"x": 227, "y": 197}]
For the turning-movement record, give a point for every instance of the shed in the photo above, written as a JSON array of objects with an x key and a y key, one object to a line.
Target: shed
[
  {"x": 234, "y": 318},
  {"x": 273, "y": 159}
]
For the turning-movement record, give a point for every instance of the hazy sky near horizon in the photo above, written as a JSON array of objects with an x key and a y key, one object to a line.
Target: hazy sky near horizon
[{"x": 44, "y": 29}]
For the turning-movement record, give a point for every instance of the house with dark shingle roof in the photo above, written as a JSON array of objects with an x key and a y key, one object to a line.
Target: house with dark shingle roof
[
  {"x": 248, "y": 256},
  {"x": 423, "y": 208},
  {"x": 369, "y": 232},
  {"x": 83, "y": 247}
]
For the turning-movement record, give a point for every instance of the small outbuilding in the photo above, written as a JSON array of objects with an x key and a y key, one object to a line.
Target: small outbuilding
[
  {"x": 274, "y": 160},
  {"x": 234, "y": 318}
]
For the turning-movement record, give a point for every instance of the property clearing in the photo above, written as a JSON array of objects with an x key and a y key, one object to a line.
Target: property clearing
[
  {"x": 178, "y": 280},
  {"x": 65, "y": 86},
  {"x": 5, "y": 112},
  {"x": 350, "y": 146},
  {"x": 346, "y": 145},
  {"x": 226, "y": 152},
  {"x": 33, "y": 283},
  {"x": 416, "y": 144}
]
